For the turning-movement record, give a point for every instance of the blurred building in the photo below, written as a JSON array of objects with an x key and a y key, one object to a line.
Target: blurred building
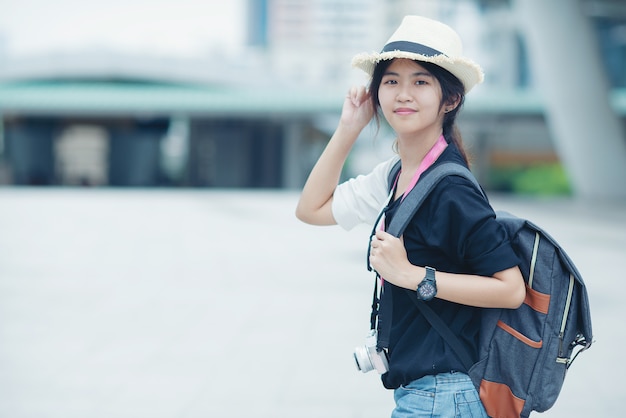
[
  {"x": 125, "y": 132},
  {"x": 261, "y": 119}
]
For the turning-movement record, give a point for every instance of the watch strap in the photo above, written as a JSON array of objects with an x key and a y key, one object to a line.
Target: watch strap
[
  {"x": 428, "y": 282},
  {"x": 430, "y": 274}
]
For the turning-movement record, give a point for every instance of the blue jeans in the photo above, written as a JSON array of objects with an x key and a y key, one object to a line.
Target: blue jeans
[{"x": 444, "y": 395}]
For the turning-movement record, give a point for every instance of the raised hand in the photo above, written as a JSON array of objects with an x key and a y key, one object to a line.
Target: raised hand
[{"x": 357, "y": 108}]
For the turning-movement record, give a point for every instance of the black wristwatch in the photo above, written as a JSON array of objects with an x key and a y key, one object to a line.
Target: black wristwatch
[{"x": 427, "y": 289}]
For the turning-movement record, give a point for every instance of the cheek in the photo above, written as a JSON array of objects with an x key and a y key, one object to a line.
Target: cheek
[
  {"x": 382, "y": 96},
  {"x": 385, "y": 100},
  {"x": 386, "y": 110},
  {"x": 433, "y": 103},
  {"x": 432, "y": 96}
]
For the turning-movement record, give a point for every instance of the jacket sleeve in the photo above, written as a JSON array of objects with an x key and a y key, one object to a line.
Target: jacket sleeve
[
  {"x": 463, "y": 223},
  {"x": 360, "y": 199}
]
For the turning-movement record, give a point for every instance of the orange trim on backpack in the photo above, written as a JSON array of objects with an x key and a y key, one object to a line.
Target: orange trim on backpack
[
  {"x": 540, "y": 302},
  {"x": 499, "y": 401},
  {"x": 519, "y": 335}
]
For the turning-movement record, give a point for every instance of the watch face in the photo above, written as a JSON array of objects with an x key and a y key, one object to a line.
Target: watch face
[{"x": 427, "y": 291}]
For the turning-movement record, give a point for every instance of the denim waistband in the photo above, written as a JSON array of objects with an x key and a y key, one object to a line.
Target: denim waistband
[{"x": 452, "y": 377}]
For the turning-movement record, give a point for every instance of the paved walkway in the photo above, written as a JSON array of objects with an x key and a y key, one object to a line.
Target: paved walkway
[{"x": 120, "y": 303}]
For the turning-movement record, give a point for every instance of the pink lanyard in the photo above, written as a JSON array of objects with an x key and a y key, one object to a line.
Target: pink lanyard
[{"x": 428, "y": 160}]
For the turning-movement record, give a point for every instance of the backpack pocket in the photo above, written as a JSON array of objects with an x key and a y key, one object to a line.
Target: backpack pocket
[{"x": 514, "y": 342}]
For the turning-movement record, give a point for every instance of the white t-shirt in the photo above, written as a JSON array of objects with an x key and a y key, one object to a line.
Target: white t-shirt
[{"x": 360, "y": 199}]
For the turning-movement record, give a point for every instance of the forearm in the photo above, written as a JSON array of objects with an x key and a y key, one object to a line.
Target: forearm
[
  {"x": 314, "y": 206},
  {"x": 505, "y": 290}
]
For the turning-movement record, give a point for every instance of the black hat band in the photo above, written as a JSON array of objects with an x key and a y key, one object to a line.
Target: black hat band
[{"x": 413, "y": 47}]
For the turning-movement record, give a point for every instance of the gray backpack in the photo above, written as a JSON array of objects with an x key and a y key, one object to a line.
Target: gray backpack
[{"x": 524, "y": 353}]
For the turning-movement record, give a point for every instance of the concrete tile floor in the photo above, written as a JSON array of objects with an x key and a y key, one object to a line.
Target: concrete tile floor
[{"x": 170, "y": 303}]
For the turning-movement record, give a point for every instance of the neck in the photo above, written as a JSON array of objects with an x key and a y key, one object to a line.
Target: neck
[{"x": 412, "y": 150}]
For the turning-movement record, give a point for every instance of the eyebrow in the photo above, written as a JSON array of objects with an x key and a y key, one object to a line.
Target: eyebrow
[{"x": 416, "y": 74}]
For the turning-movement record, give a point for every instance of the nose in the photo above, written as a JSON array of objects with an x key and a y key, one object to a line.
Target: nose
[{"x": 403, "y": 95}]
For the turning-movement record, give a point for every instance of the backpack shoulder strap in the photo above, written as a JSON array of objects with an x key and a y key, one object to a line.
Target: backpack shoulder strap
[
  {"x": 398, "y": 224},
  {"x": 393, "y": 173},
  {"x": 444, "y": 330},
  {"x": 420, "y": 192}
]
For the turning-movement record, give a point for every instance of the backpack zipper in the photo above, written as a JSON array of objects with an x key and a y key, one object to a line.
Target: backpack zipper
[
  {"x": 561, "y": 358},
  {"x": 533, "y": 261}
]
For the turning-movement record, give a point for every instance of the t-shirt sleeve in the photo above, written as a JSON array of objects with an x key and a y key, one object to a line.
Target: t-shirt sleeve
[
  {"x": 360, "y": 199},
  {"x": 468, "y": 228}
]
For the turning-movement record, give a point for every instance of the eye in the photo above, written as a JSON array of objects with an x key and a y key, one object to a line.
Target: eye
[
  {"x": 421, "y": 82},
  {"x": 390, "y": 82}
]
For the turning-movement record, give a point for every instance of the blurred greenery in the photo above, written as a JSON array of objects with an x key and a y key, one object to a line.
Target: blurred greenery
[{"x": 538, "y": 179}]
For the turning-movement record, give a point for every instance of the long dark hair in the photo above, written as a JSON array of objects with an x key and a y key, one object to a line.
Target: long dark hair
[{"x": 451, "y": 89}]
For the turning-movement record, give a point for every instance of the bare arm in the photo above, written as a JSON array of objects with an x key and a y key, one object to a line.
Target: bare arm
[
  {"x": 506, "y": 289},
  {"x": 314, "y": 206}
]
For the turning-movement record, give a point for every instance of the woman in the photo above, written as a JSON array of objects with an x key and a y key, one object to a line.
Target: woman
[{"x": 418, "y": 83}]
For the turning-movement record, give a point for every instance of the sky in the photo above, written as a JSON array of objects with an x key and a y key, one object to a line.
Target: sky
[{"x": 177, "y": 28}]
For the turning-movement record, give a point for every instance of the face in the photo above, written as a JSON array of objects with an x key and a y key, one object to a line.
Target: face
[{"x": 410, "y": 99}]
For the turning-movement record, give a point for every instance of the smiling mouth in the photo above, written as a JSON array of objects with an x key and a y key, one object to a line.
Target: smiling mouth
[{"x": 404, "y": 111}]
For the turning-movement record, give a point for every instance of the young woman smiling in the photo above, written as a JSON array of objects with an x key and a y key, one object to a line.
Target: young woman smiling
[{"x": 418, "y": 83}]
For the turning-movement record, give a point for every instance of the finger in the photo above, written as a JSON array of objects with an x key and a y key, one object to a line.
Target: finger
[
  {"x": 363, "y": 95},
  {"x": 382, "y": 235},
  {"x": 353, "y": 93},
  {"x": 358, "y": 95}
]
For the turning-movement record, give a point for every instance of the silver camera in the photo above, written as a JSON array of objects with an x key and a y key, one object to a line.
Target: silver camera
[{"x": 368, "y": 357}]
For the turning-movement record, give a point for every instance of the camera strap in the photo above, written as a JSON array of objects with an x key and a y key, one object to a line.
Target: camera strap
[
  {"x": 380, "y": 317},
  {"x": 399, "y": 222},
  {"x": 376, "y": 317}
]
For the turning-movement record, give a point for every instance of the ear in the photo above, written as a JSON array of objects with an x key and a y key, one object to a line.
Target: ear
[{"x": 452, "y": 104}]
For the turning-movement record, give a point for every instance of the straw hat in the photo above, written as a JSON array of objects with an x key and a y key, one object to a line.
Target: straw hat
[{"x": 422, "y": 39}]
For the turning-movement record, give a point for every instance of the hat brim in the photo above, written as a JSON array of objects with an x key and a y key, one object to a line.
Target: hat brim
[{"x": 464, "y": 69}]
